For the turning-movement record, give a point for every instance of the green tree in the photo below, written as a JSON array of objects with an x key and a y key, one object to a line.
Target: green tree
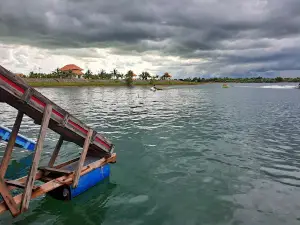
[
  {"x": 57, "y": 73},
  {"x": 67, "y": 74},
  {"x": 165, "y": 76},
  {"x": 120, "y": 76},
  {"x": 145, "y": 75},
  {"x": 102, "y": 74},
  {"x": 279, "y": 79},
  {"x": 88, "y": 74},
  {"x": 115, "y": 73},
  {"x": 32, "y": 74},
  {"x": 129, "y": 78}
]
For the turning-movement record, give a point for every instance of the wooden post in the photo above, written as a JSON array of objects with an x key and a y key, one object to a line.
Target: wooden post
[
  {"x": 8, "y": 199},
  {"x": 56, "y": 151},
  {"x": 82, "y": 157},
  {"x": 36, "y": 158},
  {"x": 10, "y": 144}
]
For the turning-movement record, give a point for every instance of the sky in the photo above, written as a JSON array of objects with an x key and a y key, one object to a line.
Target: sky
[{"x": 190, "y": 38}]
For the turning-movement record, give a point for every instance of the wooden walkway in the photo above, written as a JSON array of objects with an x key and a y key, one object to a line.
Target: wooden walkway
[{"x": 97, "y": 150}]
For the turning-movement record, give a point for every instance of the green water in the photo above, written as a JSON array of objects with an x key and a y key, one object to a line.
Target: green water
[{"x": 186, "y": 155}]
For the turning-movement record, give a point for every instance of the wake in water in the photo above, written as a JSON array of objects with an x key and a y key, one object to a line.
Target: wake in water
[
  {"x": 272, "y": 86},
  {"x": 279, "y": 86}
]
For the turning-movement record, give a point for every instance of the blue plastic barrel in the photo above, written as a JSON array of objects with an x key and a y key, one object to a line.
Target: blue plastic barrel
[{"x": 86, "y": 181}]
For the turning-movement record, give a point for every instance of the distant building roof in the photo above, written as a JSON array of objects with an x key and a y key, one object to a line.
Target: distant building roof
[
  {"x": 20, "y": 74},
  {"x": 167, "y": 74},
  {"x": 70, "y": 67},
  {"x": 75, "y": 69}
]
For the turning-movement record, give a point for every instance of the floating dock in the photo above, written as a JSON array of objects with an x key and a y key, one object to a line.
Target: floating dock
[
  {"x": 65, "y": 180},
  {"x": 21, "y": 141}
]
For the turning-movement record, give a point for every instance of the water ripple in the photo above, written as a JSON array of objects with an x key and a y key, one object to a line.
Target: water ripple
[{"x": 185, "y": 155}]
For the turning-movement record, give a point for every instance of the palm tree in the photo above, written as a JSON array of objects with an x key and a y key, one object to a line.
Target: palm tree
[
  {"x": 102, "y": 74},
  {"x": 115, "y": 73},
  {"x": 88, "y": 74},
  {"x": 57, "y": 73}
]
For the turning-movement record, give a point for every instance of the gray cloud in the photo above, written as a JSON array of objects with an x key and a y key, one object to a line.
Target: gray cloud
[{"x": 233, "y": 37}]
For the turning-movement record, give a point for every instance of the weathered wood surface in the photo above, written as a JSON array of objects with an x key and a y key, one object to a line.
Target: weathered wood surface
[
  {"x": 56, "y": 151},
  {"x": 54, "y": 170},
  {"x": 39, "y": 174},
  {"x": 66, "y": 163},
  {"x": 17, "y": 93},
  {"x": 10, "y": 145},
  {"x": 63, "y": 180},
  {"x": 36, "y": 158},
  {"x": 82, "y": 157},
  {"x": 17, "y": 184},
  {"x": 8, "y": 199}
]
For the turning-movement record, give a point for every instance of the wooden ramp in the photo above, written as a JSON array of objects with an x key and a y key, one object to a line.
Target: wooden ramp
[{"x": 97, "y": 150}]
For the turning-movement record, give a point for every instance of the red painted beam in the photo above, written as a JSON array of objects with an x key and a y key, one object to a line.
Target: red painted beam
[{"x": 43, "y": 105}]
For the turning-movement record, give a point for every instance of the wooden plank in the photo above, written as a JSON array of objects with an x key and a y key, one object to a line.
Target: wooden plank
[
  {"x": 67, "y": 163},
  {"x": 10, "y": 144},
  {"x": 23, "y": 180},
  {"x": 54, "y": 170},
  {"x": 13, "y": 89},
  {"x": 90, "y": 167},
  {"x": 82, "y": 157},
  {"x": 65, "y": 120},
  {"x": 17, "y": 184},
  {"x": 44, "y": 188},
  {"x": 27, "y": 95},
  {"x": 8, "y": 199},
  {"x": 56, "y": 151},
  {"x": 39, "y": 174},
  {"x": 36, "y": 158},
  {"x": 11, "y": 76}
]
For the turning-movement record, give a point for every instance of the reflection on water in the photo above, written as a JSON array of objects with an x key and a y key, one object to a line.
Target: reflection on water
[{"x": 186, "y": 155}]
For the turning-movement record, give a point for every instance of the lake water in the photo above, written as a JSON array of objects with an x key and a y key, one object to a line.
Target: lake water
[{"x": 186, "y": 155}]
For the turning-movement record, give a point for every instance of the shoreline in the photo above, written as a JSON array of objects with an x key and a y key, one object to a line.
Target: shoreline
[
  {"x": 36, "y": 82},
  {"x": 54, "y": 82}
]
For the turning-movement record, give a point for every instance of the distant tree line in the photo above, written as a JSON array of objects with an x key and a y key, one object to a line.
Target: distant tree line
[
  {"x": 128, "y": 77},
  {"x": 242, "y": 80},
  {"x": 102, "y": 75}
]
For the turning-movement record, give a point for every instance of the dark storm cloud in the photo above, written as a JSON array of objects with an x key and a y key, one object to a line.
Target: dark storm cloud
[{"x": 233, "y": 36}]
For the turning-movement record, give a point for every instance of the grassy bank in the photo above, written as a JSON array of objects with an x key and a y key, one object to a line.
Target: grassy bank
[{"x": 99, "y": 83}]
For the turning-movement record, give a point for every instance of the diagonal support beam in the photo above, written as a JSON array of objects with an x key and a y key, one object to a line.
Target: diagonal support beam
[
  {"x": 8, "y": 199},
  {"x": 54, "y": 183},
  {"x": 56, "y": 151},
  {"x": 36, "y": 158},
  {"x": 82, "y": 157},
  {"x": 10, "y": 144}
]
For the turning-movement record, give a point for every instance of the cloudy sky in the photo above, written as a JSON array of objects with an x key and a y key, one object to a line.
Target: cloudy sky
[{"x": 186, "y": 38}]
